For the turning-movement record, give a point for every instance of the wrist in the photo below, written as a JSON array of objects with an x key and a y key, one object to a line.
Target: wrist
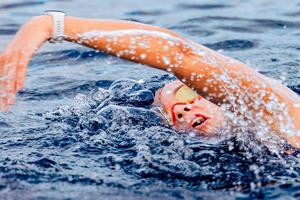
[{"x": 44, "y": 24}]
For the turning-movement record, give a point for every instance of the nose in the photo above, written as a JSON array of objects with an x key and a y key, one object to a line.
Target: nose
[{"x": 182, "y": 112}]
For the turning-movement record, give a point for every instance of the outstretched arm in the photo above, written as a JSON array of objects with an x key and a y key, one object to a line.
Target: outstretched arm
[
  {"x": 219, "y": 78},
  {"x": 17, "y": 54}
]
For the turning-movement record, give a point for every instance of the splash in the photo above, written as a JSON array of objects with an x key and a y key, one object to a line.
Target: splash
[
  {"x": 121, "y": 127},
  {"x": 228, "y": 82}
]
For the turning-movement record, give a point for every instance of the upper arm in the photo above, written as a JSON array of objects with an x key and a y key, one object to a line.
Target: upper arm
[{"x": 245, "y": 91}]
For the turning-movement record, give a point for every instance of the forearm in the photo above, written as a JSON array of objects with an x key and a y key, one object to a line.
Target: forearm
[
  {"x": 75, "y": 26},
  {"x": 36, "y": 32},
  {"x": 129, "y": 40}
]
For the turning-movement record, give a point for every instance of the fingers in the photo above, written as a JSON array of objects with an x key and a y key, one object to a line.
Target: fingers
[
  {"x": 13, "y": 67},
  {"x": 3, "y": 83},
  {"x": 11, "y": 78},
  {"x": 4, "y": 104},
  {"x": 21, "y": 71},
  {"x": 8, "y": 66}
]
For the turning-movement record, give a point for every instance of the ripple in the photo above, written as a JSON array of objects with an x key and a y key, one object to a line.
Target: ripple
[
  {"x": 239, "y": 29},
  {"x": 232, "y": 45},
  {"x": 62, "y": 88},
  {"x": 263, "y": 24},
  {"x": 191, "y": 29},
  {"x": 293, "y": 14},
  {"x": 45, "y": 162},
  {"x": 268, "y": 23},
  {"x": 8, "y": 31},
  {"x": 20, "y": 4},
  {"x": 212, "y": 18},
  {"x": 202, "y": 6},
  {"x": 145, "y": 13},
  {"x": 140, "y": 21}
]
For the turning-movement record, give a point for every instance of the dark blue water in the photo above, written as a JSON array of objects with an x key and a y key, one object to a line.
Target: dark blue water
[{"x": 84, "y": 127}]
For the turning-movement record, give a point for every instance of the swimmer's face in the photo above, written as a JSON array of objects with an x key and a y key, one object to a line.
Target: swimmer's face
[
  {"x": 189, "y": 111},
  {"x": 201, "y": 116}
]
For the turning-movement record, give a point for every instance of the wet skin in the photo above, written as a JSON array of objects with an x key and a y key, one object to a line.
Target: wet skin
[
  {"x": 195, "y": 115},
  {"x": 227, "y": 80},
  {"x": 201, "y": 116}
]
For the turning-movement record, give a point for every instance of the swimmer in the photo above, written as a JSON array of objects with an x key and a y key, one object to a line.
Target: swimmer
[{"x": 209, "y": 85}]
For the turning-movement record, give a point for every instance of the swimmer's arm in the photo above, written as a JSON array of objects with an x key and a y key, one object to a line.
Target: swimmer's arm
[
  {"x": 215, "y": 76},
  {"x": 249, "y": 93},
  {"x": 16, "y": 56},
  {"x": 219, "y": 78}
]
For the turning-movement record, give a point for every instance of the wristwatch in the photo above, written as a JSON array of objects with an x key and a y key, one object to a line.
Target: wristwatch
[{"x": 58, "y": 24}]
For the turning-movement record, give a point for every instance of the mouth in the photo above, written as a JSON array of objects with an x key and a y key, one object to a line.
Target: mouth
[{"x": 199, "y": 122}]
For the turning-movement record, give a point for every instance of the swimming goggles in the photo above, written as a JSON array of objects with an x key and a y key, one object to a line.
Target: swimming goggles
[{"x": 176, "y": 93}]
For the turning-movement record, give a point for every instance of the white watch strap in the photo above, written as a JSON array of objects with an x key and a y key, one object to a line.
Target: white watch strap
[{"x": 58, "y": 25}]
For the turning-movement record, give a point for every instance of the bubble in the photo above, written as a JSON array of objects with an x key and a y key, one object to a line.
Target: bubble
[{"x": 297, "y": 105}]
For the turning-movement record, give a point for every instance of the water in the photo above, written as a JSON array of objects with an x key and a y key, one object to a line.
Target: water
[{"x": 63, "y": 140}]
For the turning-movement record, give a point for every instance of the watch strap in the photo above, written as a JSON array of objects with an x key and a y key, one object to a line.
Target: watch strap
[{"x": 58, "y": 25}]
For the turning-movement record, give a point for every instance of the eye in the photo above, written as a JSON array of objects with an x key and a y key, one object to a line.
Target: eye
[
  {"x": 179, "y": 116},
  {"x": 186, "y": 109}
]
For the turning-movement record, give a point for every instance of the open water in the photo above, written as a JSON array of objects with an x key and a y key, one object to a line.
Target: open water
[{"x": 84, "y": 128}]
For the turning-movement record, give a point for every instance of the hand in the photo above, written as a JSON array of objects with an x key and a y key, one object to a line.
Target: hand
[
  {"x": 13, "y": 65},
  {"x": 15, "y": 59}
]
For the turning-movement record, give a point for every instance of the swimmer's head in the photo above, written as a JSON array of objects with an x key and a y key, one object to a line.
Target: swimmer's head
[{"x": 188, "y": 111}]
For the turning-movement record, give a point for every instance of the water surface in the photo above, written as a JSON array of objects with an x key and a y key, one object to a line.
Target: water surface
[{"x": 75, "y": 133}]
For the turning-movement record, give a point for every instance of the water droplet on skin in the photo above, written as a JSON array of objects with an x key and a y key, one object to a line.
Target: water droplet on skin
[
  {"x": 166, "y": 60},
  {"x": 189, "y": 106},
  {"x": 166, "y": 48},
  {"x": 200, "y": 53},
  {"x": 143, "y": 56},
  {"x": 169, "y": 92}
]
